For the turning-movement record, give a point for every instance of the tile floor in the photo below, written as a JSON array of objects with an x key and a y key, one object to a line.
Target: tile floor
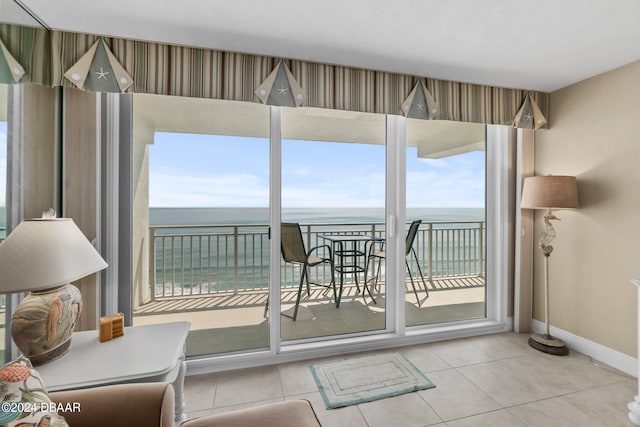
[{"x": 495, "y": 380}]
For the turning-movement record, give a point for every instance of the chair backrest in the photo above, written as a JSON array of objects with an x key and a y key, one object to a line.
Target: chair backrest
[
  {"x": 411, "y": 235},
  {"x": 291, "y": 242}
]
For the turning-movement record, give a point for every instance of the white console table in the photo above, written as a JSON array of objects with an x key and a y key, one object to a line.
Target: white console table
[{"x": 149, "y": 353}]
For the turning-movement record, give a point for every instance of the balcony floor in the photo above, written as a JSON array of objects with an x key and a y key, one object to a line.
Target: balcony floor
[{"x": 235, "y": 322}]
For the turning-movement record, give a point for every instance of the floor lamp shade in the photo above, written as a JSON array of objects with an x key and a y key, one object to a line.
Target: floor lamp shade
[
  {"x": 43, "y": 256},
  {"x": 549, "y": 192}
]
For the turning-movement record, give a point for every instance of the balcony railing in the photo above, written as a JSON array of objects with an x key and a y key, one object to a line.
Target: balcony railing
[{"x": 210, "y": 259}]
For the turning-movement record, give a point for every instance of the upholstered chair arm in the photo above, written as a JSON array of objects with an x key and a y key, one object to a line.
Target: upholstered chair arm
[
  {"x": 290, "y": 413},
  {"x": 139, "y": 405}
]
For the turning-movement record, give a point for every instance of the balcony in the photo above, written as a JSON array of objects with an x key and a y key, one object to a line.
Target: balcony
[{"x": 217, "y": 277}]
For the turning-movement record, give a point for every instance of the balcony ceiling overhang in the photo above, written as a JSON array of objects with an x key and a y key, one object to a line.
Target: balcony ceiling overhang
[
  {"x": 543, "y": 45},
  {"x": 434, "y": 138}
]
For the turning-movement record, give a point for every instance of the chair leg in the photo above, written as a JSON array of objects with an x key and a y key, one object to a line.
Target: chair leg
[
  {"x": 375, "y": 284},
  {"x": 341, "y": 288},
  {"x": 365, "y": 285},
  {"x": 373, "y": 278},
  {"x": 412, "y": 284},
  {"x": 333, "y": 281},
  {"x": 295, "y": 310},
  {"x": 266, "y": 306},
  {"x": 302, "y": 280},
  {"x": 366, "y": 281},
  {"x": 415, "y": 256},
  {"x": 305, "y": 269}
]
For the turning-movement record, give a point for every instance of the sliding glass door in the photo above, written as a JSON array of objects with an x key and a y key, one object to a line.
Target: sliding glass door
[
  {"x": 333, "y": 191},
  {"x": 387, "y": 216},
  {"x": 445, "y": 275},
  {"x": 203, "y": 216}
]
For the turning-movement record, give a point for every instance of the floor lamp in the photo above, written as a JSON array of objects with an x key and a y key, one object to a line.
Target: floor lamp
[{"x": 548, "y": 192}]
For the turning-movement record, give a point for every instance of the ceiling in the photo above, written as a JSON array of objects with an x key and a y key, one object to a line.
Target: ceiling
[{"x": 541, "y": 45}]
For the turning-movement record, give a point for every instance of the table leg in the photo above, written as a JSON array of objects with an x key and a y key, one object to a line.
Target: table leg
[
  {"x": 178, "y": 388},
  {"x": 338, "y": 269},
  {"x": 354, "y": 261},
  {"x": 366, "y": 271}
]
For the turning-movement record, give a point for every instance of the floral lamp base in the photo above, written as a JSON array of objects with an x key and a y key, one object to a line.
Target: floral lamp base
[{"x": 43, "y": 323}]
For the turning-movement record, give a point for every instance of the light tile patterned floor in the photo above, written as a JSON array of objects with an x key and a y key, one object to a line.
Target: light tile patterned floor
[{"x": 494, "y": 381}]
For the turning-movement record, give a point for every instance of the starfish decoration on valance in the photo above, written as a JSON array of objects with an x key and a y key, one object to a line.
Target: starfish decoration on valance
[
  {"x": 529, "y": 115},
  {"x": 99, "y": 70},
  {"x": 420, "y": 104},
  {"x": 281, "y": 88}
]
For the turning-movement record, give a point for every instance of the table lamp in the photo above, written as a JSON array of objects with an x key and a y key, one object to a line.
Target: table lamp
[
  {"x": 43, "y": 256},
  {"x": 548, "y": 192}
]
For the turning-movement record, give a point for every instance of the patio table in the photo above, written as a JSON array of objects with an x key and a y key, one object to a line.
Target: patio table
[{"x": 350, "y": 258}]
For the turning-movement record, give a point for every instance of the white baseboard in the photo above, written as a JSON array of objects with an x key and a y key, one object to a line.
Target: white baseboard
[{"x": 613, "y": 358}]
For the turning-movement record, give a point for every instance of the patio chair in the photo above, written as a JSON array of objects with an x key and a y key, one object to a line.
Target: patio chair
[
  {"x": 380, "y": 255},
  {"x": 294, "y": 252}
]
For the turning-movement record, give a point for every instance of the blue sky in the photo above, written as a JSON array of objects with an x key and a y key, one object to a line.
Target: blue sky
[{"x": 191, "y": 170}]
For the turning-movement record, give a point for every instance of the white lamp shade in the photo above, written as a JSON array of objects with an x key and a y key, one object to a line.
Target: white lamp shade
[
  {"x": 46, "y": 253},
  {"x": 549, "y": 192}
]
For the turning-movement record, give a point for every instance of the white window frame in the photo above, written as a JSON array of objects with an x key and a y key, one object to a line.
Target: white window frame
[{"x": 395, "y": 334}]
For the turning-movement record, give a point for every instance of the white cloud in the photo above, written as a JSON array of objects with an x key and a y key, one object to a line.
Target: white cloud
[
  {"x": 431, "y": 188},
  {"x": 297, "y": 171},
  {"x": 312, "y": 179},
  {"x": 231, "y": 190},
  {"x": 323, "y": 197},
  {"x": 360, "y": 188},
  {"x": 446, "y": 188},
  {"x": 435, "y": 163}
]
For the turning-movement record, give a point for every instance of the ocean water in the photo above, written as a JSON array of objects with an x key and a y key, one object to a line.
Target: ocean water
[
  {"x": 222, "y": 216},
  {"x": 220, "y": 257},
  {"x": 196, "y": 216}
]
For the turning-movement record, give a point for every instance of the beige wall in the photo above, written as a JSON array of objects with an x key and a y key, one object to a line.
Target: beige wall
[{"x": 594, "y": 135}]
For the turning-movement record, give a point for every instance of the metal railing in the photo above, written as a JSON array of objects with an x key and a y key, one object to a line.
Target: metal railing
[{"x": 209, "y": 259}]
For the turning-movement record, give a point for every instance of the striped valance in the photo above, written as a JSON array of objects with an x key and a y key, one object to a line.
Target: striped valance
[
  {"x": 204, "y": 73},
  {"x": 31, "y": 48}
]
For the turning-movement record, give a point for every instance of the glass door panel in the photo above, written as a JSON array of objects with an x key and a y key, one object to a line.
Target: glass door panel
[
  {"x": 445, "y": 191},
  {"x": 333, "y": 205},
  {"x": 206, "y": 209}
]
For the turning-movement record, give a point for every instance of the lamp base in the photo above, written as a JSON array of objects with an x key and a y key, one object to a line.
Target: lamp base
[
  {"x": 51, "y": 354},
  {"x": 43, "y": 323},
  {"x": 548, "y": 344}
]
